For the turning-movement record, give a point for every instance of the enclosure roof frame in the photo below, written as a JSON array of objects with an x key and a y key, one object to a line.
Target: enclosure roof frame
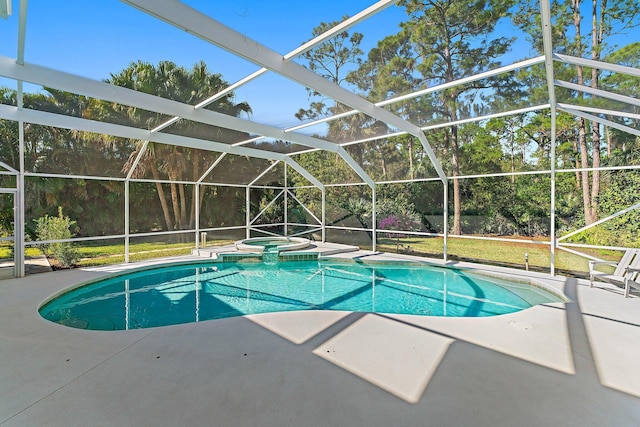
[{"x": 182, "y": 16}]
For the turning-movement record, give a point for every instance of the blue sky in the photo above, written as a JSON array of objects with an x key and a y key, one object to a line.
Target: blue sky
[
  {"x": 98, "y": 37},
  {"x": 94, "y": 38}
]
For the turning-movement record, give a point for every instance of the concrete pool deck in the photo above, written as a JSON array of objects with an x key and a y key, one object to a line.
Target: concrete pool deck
[{"x": 557, "y": 364}]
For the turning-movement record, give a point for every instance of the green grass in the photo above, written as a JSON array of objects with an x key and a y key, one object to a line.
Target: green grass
[
  {"x": 5, "y": 252},
  {"x": 133, "y": 256},
  {"x": 96, "y": 255},
  {"x": 110, "y": 250},
  {"x": 114, "y": 254},
  {"x": 493, "y": 252}
]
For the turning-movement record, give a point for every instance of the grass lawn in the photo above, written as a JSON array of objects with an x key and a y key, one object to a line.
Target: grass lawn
[
  {"x": 5, "y": 252},
  {"x": 114, "y": 254},
  {"x": 492, "y": 252},
  {"x": 94, "y": 255}
]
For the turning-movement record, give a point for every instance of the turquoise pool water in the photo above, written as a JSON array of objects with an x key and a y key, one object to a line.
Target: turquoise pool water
[{"x": 198, "y": 292}]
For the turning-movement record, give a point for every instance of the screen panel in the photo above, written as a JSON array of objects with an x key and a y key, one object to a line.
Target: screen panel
[
  {"x": 617, "y": 199},
  {"x": 7, "y": 255},
  {"x": 70, "y": 152},
  {"x": 9, "y": 144},
  {"x": 397, "y": 158},
  {"x": 95, "y": 207},
  {"x": 222, "y": 206},
  {"x": 161, "y": 246},
  {"x": 349, "y": 206},
  {"x": 361, "y": 239},
  {"x": 102, "y": 252},
  {"x": 239, "y": 170},
  {"x": 267, "y": 207},
  {"x": 273, "y": 177},
  {"x": 150, "y": 207},
  {"x": 8, "y": 91},
  {"x": 328, "y": 167},
  {"x": 408, "y": 244},
  {"x": 517, "y": 206},
  {"x": 222, "y": 237}
]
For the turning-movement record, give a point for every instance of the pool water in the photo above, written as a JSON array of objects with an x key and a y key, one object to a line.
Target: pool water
[
  {"x": 193, "y": 293},
  {"x": 268, "y": 243},
  {"x": 272, "y": 244}
]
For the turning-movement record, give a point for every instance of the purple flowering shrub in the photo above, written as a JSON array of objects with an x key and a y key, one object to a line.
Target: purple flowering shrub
[{"x": 402, "y": 222}]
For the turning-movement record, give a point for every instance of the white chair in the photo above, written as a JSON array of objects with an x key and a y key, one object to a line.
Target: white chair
[
  {"x": 631, "y": 281},
  {"x": 625, "y": 274}
]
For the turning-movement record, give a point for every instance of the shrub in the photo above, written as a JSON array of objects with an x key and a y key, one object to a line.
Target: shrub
[
  {"x": 405, "y": 221},
  {"x": 57, "y": 228}
]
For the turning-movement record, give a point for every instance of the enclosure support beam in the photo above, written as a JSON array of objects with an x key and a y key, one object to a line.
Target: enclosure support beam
[
  {"x": 19, "y": 204},
  {"x": 355, "y": 166},
  {"x": 606, "y": 112},
  {"x": 197, "y": 216},
  {"x": 22, "y": 31},
  {"x": 591, "y": 63},
  {"x": 247, "y": 212},
  {"x": 303, "y": 206},
  {"x": 126, "y": 221},
  {"x": 92, "y": 88},
  {"x": 18, "y": 216},
  {"x": 324, "y": 217},
  {"x": 286, "y": 200},
  {"x": 445, "y": 219},
  {"x": 459, "y": 82},
  {"x": 263, "y": 173},
  {"x": 302, "y": 171},
  {"x": 431, "y": 127},
  {"x": 598, "y": 92},
  {"x": 127, "y": 230},
  {"x": 68, "y": 122},
  {"x": 373, "y": 219},
  {"x": 8, "y": 168},
  {"x": 545, "y": 10},
  {"x": 210, "y": 168},
  {"x": 607, "y": 122},
  {"x": 141, "y": 152},
  {"x": 276, "y": 197}
]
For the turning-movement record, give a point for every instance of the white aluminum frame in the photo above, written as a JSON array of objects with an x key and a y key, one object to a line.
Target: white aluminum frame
[
  {"x": 545, "y": 8},
  {"x": 182, "y": 16},
  {"x": 210, "y": 30}
]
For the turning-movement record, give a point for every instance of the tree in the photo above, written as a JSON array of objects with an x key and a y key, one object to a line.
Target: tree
[
  {"x": 330, "y": 60},
  {"x": 571, "y": 36},
  {"x": 192, "y": 86},
  {"x": 442, "y": 41}
]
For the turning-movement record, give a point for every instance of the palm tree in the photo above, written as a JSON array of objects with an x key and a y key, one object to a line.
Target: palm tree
[{"x": 171, "y": 81}]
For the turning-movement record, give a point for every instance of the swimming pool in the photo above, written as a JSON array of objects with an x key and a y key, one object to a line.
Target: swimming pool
[{"x": 197, "y": 292}]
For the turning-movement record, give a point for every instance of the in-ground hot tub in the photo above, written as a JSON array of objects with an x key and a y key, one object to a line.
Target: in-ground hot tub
[{"x": 272, "y": 244}]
